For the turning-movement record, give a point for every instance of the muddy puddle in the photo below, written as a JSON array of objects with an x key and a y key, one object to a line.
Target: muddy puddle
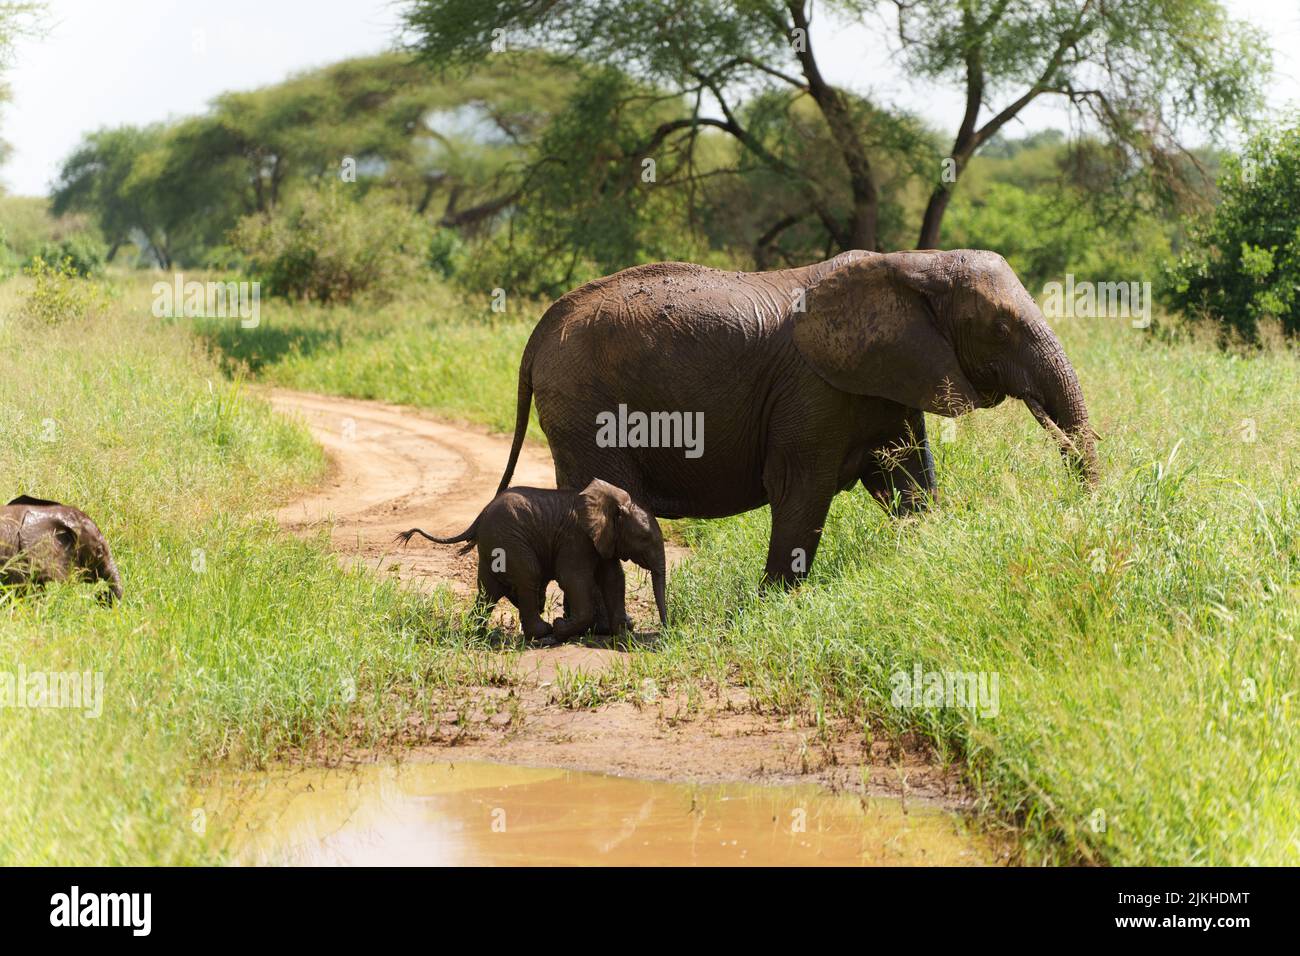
[{"x": 482, "y": 814}]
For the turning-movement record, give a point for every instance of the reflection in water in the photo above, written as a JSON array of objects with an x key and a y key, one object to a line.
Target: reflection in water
[{"x": 494, "y": 814}]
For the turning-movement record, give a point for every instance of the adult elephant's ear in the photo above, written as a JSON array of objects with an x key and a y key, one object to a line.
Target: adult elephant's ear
[
  {"x": 868, "y": 328},
  {"x": 598, "y": 511}
]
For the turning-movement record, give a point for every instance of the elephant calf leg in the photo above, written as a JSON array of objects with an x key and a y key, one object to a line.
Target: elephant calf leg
[
  {"x": 604, "y": 621},
  {"x": 580, "y": 612},
  {"x": 529, "y": 604},
  {"x": 490, "y": 591},
  {"x": 611, "y": 585}
]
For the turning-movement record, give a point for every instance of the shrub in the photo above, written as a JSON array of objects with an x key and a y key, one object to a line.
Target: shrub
[
  {"x": 1046, "y": 233},
  {"x": 60, "y": 293},
  {"x": 82, "y": 250},
  {"x": 327, "y": 247},
  {"x": 1243, "y": 260},
  {"x": 444, "y": 249},
  {"x": 8, "y": 260}
]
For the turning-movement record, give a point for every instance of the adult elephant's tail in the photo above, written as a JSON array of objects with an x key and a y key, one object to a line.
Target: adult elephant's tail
[{"x": 522, "y": 405}]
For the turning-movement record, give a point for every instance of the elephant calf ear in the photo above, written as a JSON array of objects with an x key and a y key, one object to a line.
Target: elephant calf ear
[
  {"x": 867, "y": 329},
  {"x": 597, "y": 511},
  {"x": 29, "y": 500}
]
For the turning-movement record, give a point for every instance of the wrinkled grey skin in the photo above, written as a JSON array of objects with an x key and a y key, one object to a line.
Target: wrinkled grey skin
[
  {"x": 43, "y": 541},
  {"x": 528, "y": 537},
  {"x": 810, "y": 380}
]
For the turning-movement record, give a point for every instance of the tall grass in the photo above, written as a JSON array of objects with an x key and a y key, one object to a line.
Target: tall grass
[{"x": 432, "y": 348}]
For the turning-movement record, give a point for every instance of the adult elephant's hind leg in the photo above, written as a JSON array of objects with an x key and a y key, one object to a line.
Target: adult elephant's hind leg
[{"x": 900, "y": 471}]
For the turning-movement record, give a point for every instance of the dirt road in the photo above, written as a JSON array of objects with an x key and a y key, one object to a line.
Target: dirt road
[{"x": 393, "y": 468}]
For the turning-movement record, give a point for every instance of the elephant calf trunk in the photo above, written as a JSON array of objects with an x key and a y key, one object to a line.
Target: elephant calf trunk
[
  {"x": 657, "y": 576},
  {"x": 114, "y": 579}
]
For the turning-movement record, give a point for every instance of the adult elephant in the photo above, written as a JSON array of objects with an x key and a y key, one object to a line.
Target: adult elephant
[{"x": 808, "y": 380}]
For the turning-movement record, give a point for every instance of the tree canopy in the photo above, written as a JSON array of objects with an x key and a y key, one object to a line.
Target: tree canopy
[
  {"x": 447, "y": 150},
  {"x": 1140, "y": 73}
]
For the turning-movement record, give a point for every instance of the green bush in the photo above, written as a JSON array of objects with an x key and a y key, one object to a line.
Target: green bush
[
  {"x": 83, "y": 251},
  {"x": 1243, "y": 261},
  {"x": 327, "y": 247},
  {"x": 8, "y": 260},
  {"x": 60, "y": 293},
  {"x": 1046, "y": 233},
  {"x": 444, "y": 249}
]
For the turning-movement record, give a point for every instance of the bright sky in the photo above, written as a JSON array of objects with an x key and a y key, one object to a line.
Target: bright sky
[{"x": 110, "y": 62}]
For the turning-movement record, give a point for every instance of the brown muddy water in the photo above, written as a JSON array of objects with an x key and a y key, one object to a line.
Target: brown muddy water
[{"x": 484, "y": 814}]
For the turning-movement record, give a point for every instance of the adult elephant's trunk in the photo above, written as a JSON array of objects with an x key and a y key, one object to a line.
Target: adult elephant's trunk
[
  {"x": 108, "y": 572},
  {"x": 1056, "y": 399}
]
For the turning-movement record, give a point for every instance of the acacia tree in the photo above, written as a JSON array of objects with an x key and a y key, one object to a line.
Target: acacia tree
[
  {"x": 127, "y": 180},
  {"x": 409, "y": 134},
  {"x": 707, "y": 56},
  {"x": 1138, "y": 70},
  {"x": 96, "y": 179},
  {"x": 176, "y": 189}
]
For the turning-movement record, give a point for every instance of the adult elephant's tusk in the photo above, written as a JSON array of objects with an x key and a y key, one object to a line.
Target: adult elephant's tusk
[{"x": 1046, "y": 421}]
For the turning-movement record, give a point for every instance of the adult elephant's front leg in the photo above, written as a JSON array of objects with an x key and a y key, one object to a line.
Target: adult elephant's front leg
[
  {"x": 796, "y": 531},
  {"x": 900, "y": 471},
  {"x": 800, "y": 500}
]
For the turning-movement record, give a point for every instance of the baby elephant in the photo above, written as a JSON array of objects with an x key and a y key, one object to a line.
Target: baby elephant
[
  {"x": 528, "y": 537},
  {"x": 44, "y": 541}
]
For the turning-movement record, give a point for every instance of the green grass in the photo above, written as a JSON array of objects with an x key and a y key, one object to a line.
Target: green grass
[
  {"x": 431, "y": 348},
  {"x": 234, "y": 644}
]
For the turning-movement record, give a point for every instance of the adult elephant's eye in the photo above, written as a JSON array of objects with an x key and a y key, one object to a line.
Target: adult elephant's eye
[{"x": 1004, "y": 330}]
